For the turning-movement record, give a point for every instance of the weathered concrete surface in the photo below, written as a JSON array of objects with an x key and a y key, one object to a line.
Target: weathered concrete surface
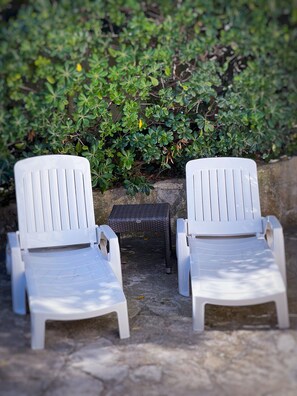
[
  {"x": 277, "y": 185},
  {"x": 242, "y": 352}
]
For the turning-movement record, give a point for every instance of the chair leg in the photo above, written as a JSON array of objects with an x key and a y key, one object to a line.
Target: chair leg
[
  {"x": 282, "y": 311},
  {"x": 37, "y": 331},
  {"x": 123, "y": 321},
  {"x": 198, "y": 310}
]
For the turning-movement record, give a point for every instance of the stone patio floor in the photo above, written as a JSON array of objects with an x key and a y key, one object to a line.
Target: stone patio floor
[{"x": 241, "y": 352}]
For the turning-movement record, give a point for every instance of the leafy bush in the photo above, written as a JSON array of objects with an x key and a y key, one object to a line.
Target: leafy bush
[{"x": 140, "y": 88}]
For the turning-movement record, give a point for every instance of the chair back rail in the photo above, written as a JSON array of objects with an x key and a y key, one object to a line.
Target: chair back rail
[
  {"x": 223, "y": 197},
  {"x": 54, "y": 201}
]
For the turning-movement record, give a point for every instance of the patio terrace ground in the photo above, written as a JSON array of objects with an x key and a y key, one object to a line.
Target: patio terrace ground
[{"x": 241, "y": 352}]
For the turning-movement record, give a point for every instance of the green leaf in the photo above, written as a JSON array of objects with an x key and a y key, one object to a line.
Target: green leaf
[
  {"x": 50, "y": 79},
  {"x": 20, "y": 146},
  {"x": 167, "y": 71},
  {"x": 154, "y": 81},
  {"x": 78, "y": 148}
]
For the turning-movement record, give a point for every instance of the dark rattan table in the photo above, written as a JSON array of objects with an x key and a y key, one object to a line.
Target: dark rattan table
[{"x": 144, "y": 218}]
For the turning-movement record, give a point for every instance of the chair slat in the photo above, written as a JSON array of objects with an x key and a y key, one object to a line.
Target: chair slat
[
  {"x": 80, "y": 199},
  {"x": 89, "y": 199},
  {"x": 247, "y": 198},
  {"x": 230, "y": 194},
  {"x": 214, "y": 197},
  {"x": 28, "y": 192},
  {"x": 63, "y": 199},
  {"x": 38, "y": 207},
  {"x": 71, "y": 192},
  {"x": 206, "y": 195},
  {"x": 255, "y": 197},
  {"x": 222, "y": 193},
  {"x": 237, "y": 176},
  {"x": 198, "y": 202},
  {"x": 54, "y": 194},
  {"x": 46, "y": 201}
]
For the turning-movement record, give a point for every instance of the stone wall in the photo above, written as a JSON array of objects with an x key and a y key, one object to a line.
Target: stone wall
[
  {"x": 278, "y": 190},
  {"x": 277, "y": 184}
]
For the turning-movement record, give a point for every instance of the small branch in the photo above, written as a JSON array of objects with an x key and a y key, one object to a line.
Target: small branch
[{"x": 28, "y": 89}]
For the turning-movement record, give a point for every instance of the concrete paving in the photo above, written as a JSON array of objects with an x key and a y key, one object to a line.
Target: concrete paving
[{"x": 241, "y": 352}]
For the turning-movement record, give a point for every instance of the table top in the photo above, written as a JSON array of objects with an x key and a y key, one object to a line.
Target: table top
[{"x": 140, "y": 211}]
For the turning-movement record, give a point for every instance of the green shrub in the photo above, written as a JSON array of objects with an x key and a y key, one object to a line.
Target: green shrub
[{"x": 140, "y": 88}]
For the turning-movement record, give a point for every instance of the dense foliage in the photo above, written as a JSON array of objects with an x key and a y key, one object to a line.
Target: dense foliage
[{"x": 140, "y": 87}]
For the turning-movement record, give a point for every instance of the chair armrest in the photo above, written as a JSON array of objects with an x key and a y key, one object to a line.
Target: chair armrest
[
  {"x": 109, "y": 245},
  {"x": 12, "y": 241},
  {"x": 181, "y": 237},
  {"x": 181, "y": 226},
  {"x": 275, "y": 239},
  {"x": 183, "y": 257},
  {"x": 17, "y": 270}
]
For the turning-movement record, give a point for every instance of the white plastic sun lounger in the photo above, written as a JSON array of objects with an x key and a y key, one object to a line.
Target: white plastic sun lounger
[
  {"x": 69, "y": 267},
  {"x": 232, "y": 255}
]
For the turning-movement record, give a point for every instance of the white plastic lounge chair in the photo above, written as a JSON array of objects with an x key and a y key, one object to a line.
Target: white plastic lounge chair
[
  {"x": 59, "y": 256},
  {"x": 232, "y": 254}
]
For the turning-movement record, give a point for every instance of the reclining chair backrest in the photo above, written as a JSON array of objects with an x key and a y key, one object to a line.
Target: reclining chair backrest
[
  {"x": 223, "y": 197},
  {"x": 54, "y": 201}
]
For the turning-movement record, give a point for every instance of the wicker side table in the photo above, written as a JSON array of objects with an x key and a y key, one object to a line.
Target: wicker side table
[{"x": 144, "y": 217}]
